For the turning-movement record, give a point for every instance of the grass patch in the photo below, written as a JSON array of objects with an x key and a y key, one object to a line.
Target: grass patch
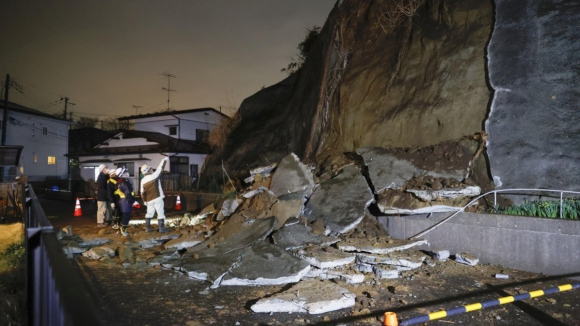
[
  {"x": 544, "y": 208},
  {"x": 12, "y": 275}
]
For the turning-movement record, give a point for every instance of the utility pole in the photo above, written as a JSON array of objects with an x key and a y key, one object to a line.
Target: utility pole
[
  {"x": 137, "y": 107},
  {"x": 66, "y": 104},
  {"x": 168, "y": 89}
]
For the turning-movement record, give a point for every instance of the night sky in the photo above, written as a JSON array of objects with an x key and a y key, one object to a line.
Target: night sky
[{"x": 108, "y": 56}]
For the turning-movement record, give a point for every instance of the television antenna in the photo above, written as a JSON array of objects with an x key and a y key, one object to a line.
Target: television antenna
[{"x": 168, "y": 89}]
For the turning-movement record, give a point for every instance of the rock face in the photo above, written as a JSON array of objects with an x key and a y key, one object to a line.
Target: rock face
[
  {"x": 381, "y": 77},
  {"x": 534, "y": 67},
  {"x": 372, "y": 82}
]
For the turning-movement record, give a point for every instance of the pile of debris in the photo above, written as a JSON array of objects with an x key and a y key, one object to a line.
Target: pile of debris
[{"x": 291, "y": 225}]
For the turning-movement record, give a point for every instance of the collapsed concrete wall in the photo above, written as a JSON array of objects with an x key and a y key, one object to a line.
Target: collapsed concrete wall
[{"x": 534, "y": 68}]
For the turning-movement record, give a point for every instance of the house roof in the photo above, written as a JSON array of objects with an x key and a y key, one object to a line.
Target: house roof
[
  {"x": 19, "y": 108},
  {"x": 165, "y": 144},
  {"x": 169, "y": 113}
]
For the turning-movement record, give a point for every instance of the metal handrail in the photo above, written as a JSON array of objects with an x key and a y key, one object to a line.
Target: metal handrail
[
  {"x": 54, "y": 293},
  {"x": 495, "y": 192}
]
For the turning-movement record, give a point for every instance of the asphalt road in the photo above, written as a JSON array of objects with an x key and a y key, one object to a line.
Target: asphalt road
[{"x": 142, "y": 295}]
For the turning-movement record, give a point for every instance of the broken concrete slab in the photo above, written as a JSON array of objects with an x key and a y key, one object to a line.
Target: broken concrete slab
[
  {"x": 390, "y": 210},
  {"x": 212, "y": 268},
  {"x": 263, "y": 171},
  {"x": 258, "y": 205},
  {"x": 288, "y": 206},
  {"x": 383, "y": 273},
  {"x": 340, "y": 202},
  {"x": 126, "y": 253},
  {"x": 325, "y": 274},
  {"x": 389, "y": 171},
  {"x": 328, "y": 258},
  {"x": 292, "y": 176},
  {"x": 185, "y": 241},
  {"x": 441, "y": 255},
  {"x": 266, "y": 264},
  {"x": 237, "y": 233},
  {"x": 72, "y": 247},
  {"x": 313, "y": 297},
  {"x": 229, "y": 206},
  {"x": 431, "y": 195},
  {"x": 466, "y": 259},
  {"x": 378, "y": 245},
  {"x": 401, "y": 261},
  {"x": 97, "y": 253},
  {"x": 298, "y": 236}
]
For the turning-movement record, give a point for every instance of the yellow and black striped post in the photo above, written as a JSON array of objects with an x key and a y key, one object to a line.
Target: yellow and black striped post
[{"x": 487, "y": 304}]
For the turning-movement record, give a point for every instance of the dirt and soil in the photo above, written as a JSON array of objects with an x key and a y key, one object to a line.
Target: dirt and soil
[{"x": 134, "y": 294}]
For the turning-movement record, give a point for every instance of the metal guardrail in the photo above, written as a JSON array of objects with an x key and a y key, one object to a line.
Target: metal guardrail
[
  {"x": 55, "y": 295},
  {"x": 494, "y": 193}
]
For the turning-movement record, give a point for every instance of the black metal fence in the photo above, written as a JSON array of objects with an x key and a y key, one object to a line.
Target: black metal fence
[{"x": 54, "y": 293}]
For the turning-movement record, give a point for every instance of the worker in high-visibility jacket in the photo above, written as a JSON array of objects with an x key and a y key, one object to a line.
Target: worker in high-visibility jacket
[
  {"x": 126, "y": 200},
  {"x": 152, "y": 195}
]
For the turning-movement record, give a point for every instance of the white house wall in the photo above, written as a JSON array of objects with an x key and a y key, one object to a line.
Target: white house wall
[
  {"x": 28, "y": 130},
  {"x": 188, "y": 123}
]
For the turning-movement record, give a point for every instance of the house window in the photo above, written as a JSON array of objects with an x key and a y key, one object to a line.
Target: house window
[
  {"x": 202, "y": 135},
  {"x": 51, "y": 160},
  {"x": 45, "y": 131},
  {"x": 179, "y": 164},
  {"x": 130, "y": 166},
  {"x": 172, "y": 130}
]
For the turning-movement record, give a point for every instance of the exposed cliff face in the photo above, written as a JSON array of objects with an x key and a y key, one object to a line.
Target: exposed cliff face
[{"x": 375, "y": 77}]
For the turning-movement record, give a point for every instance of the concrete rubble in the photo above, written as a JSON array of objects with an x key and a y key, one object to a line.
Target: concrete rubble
[
  {"x": 313, "y": 297},
  {"x": 283, "y": 229}
]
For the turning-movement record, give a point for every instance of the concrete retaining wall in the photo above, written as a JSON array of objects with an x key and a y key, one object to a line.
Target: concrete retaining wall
[{"x": 549, "y": 246}]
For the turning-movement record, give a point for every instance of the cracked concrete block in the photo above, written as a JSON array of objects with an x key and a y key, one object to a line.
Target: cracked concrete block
[
  {"x": 237, "y": 233},
  {"x": 349, "y": 278},
  {"x": 72, "y": 247},
  {"x": 329, "y": 258},
  {"x": 390, "y": 210},
  {"x": 259, "y": 205},
  {"x": 211, "y": 269},
  {"x": 292, "y": 176},
  {"x": 263, "y": 171},
  {"x": 126, "y": 253},
  {"x": 266, "y": 264},
  {"x": 288, "y": 206},
  {"x": 184, "y": 242},
  {"x": 400, "y": 261},
  {"x": 229, "y": 206},
  {"x": 340, "y": 202},
  {"x": 466, "y": 259},
  {"x": 298, "y": 236},
  {"x": 313, "y": 297},
  {"x": 385, "y": 273},
  {"x": 441, "y": 255},
  {"x": 388, "y": 171},
  {"x": 378, "y": 245},
  {"x": 99, "y": 252},
  {"x": 430, "y": 195}
]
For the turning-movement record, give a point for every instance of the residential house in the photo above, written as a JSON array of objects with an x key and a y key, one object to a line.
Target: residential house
[
  {"x": 180, "y": 135},
  {"x": 44, "y": 138}
]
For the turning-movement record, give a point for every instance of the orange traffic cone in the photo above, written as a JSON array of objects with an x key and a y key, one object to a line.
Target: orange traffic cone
[
  {"x": 390, "y": 319},
  {"x": 78, "y": 211},
  {"x": 178, "y": 204}
]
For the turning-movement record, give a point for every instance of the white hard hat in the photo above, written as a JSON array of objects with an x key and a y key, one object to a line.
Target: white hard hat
[
  {"x": 119, "y": 171},
  {"x": 102, "y": 167},
  {"x": 145, "y": 168}
]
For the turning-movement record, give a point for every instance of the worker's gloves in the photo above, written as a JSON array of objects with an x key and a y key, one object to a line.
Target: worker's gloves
[{"x": 113, "y": 205}]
